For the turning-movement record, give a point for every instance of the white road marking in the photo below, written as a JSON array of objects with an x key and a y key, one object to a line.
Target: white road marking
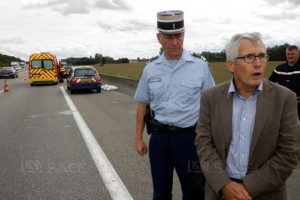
[{"x": 112, "y": 181}]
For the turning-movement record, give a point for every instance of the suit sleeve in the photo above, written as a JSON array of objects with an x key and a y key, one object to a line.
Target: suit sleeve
[
  {"x": 273, "y": 173},
  {"x": 210, "y": 160}
]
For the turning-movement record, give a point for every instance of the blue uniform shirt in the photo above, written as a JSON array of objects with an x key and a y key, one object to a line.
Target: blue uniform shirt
[{"x": 174, "y": 91}]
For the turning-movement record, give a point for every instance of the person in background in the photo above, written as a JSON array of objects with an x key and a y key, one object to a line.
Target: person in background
[
  {"x": 171, "y": 85},
  {"x": 247, "y": 129},
  {"x": 288, "y": 73}
]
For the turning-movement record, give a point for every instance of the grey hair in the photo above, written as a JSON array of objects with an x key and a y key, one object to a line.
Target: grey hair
[{"x": 232, "y": 47}]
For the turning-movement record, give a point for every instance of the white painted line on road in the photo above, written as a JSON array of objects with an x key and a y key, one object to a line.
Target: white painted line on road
[{"x": 112, "y": 181}]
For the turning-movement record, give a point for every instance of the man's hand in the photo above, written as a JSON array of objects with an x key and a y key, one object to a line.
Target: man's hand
[
  {"x": 298, "y": 98},
  {"x": 140, "y": 147},
  {"x": 235, "y": 191}
]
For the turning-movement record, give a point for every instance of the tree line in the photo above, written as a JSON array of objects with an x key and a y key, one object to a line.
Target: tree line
[
  {"x": 102, "y": 60},
  {"x": 5, "y": 60},
  {"x": 276, "y": 53}
]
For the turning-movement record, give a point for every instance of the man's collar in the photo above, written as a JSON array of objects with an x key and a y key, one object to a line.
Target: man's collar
[{"x": 233, "y": 90}]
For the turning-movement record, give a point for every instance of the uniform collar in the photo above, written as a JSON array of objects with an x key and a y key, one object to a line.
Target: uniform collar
[{"x": 186, "y": 56}]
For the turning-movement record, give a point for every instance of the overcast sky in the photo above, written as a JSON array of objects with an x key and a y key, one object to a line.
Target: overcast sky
[{"x": 127, "y": 28}]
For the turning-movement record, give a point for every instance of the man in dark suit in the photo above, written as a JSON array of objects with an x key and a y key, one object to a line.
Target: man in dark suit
[{"x": 248, "y": 128}]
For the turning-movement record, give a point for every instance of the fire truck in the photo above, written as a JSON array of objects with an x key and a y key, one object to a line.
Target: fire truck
[{"x": 44, "y": 69}]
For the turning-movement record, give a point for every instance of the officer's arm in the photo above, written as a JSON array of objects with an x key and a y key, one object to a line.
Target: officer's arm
[
  {"x": 140, "y": 145},
  {"x": 140, "y": 123}
]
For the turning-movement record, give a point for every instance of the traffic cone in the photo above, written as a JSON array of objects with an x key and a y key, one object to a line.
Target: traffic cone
[
  {"x": 24, "y": 78},
  {"x": 5, "y": 86}
]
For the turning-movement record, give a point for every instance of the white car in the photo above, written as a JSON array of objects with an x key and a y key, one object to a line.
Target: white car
[{"x": 17, "y": 68}]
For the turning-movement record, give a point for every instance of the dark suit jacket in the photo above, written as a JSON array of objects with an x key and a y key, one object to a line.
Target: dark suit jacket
[{"x": 273, "y": 151}]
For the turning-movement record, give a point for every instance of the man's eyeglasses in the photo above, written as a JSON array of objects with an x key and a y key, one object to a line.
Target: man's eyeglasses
[{"x": 250, "y": 58}]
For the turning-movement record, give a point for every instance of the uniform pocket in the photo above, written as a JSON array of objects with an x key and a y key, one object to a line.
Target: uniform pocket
[
  {"x": 190, "y": 90},
  {"x": 156, "y": 92}
]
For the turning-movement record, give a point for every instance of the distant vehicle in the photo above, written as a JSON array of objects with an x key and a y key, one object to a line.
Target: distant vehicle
[
  {"x": 22, "y": 65},
  {"x": 44, "y": 69},
  {"x": 62, "y": 69},
  {"x": 83, "y": 78},
  {"x": 68, "y": 68},
  {"x": 17, "y": 68},
  {"x": 15, "y": 65},
  {"x": 6, "y": 72}
]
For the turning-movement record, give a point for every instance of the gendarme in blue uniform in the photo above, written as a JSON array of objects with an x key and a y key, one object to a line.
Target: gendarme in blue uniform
[{"x": 174, "y": 91}]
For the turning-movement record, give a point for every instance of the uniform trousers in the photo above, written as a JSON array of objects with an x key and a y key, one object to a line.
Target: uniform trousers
[{"x": 169, "y": 151}]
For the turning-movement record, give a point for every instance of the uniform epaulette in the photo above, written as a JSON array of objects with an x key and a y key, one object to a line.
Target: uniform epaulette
[
  {"x": 198, "y": 55},
  {"x": 151, "y": 59}
]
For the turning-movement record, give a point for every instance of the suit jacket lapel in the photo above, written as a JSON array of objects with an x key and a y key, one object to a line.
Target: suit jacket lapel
[
  {"x": 264, "y": 100},
  {"x": 226, "y": 114}
]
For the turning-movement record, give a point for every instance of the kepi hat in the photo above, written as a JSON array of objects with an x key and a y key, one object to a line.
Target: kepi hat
[{"x": 170, "y": 22}]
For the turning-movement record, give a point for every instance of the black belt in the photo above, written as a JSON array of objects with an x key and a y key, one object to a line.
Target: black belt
[
  {"x": 169, "y": 128},
  {"x": 236, "y": 180}
]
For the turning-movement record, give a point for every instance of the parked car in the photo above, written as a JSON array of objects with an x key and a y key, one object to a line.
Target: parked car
[
  {"x": 8, "y": 72},
  {"x": 83, "y": 78},
  {"x": 68, "y": 68}
]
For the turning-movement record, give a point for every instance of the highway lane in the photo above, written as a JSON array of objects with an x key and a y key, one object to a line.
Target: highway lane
[
  {"x": 111, "y": 117},
  {"x": 42, "y": 152},
  {"x": 43, "y": 155}
]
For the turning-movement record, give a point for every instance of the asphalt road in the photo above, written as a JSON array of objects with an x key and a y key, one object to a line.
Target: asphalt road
[{"x": 43, "y": 154}]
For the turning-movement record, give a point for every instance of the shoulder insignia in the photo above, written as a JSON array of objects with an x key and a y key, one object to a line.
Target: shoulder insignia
[
  {"x": 151, "y": 59},
  {"x": 198, "y": 55}
]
